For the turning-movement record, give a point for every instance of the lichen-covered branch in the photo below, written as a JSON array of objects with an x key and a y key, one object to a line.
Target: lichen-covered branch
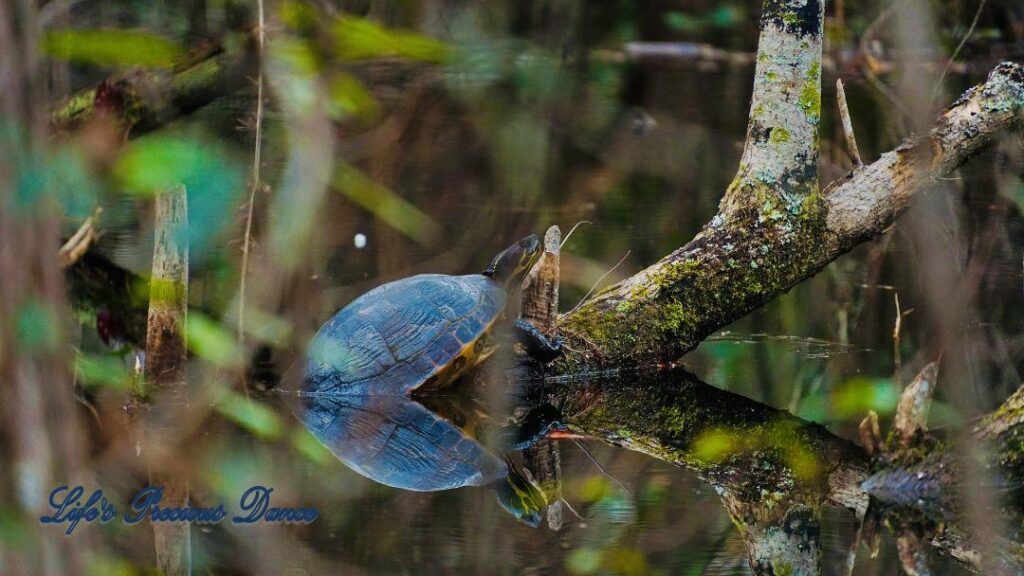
[
  {"x": 779, "y": 168},
  {"x": 747, "y": 256},
  {"x": 869, "y": 199}
]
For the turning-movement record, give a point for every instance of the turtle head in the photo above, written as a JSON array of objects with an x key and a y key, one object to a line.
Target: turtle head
[
  {"x": 515, "y": 260},
  {"x": 520, "y": 497}
]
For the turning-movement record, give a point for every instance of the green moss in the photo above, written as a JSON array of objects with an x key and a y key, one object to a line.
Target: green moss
[
  {"x": 810, "y": 94},
  {"x": 813, "y": 71},
  {"x": 732, "y": 269},
  {"x": 779, "y": 134},
  {"x": 810, "y": 101}
]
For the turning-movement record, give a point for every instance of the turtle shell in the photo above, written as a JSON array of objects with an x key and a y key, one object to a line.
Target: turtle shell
[
  {"x": 396, "y": 441},
  {"x": 425, "y": 329}
]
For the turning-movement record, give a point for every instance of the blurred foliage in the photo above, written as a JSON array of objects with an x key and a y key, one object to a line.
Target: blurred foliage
[
  {"x": 311, "y": 448},
  {"x": 852, "y": 400},
  {"x": 37, "y": 327},
  {"x": 110, "y": 371},
  {"x": 359, "y": 39},
  {"x": 211, "y": 341},
  {"x": 725, "y": 15},
  {"x": 113, "y": 47},
  {"x": 385, "y": 204},
  {"x": 257, "y": 418},
  {"x": 718, "y": 445},
  {"x": 212, "y": 177},
  {"x": 350, "y": 97}
]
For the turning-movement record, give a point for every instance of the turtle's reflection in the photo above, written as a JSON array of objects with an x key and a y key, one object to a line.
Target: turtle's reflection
[{"x": 396, "y": 441}]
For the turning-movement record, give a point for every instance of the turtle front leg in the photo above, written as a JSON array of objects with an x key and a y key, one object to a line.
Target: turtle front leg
[{"x": 538, "y": 345}]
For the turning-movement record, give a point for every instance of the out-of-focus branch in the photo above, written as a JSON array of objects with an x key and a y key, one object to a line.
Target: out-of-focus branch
[
  {"x": 919, "y": 482},
  {"x": 79, "y": 243},
  {"x": 143, "y": 100}
]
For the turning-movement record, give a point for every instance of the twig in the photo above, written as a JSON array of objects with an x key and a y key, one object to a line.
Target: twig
[
  {"x": 596, "y": 284},
  {"x": 247, "y": 239},
  {"x": 586, "y": 451},
  {"x": 844, "y": 114},
  {"x": 952, "y": 58},
  {"x": 573, "y": 229},
  {"x": 80, "y": 242},
  {"x": 897, "y": 360}
]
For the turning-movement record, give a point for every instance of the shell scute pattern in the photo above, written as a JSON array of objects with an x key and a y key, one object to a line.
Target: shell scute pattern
[{"x": 395, "y": 337}]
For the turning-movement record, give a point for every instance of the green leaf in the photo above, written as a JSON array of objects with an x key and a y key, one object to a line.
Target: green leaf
[
  {"x": 725, "y": 16},
  {"x": 150, "y": 165},
  {"x": 385, "y": 204},
  {"x": 112, "y": 48},
  {"x": 359, "y": 39},
  {"x": 311, "y": 448},
  {"x": 716, "y": 445},
  {"x": 585, "y": 560},
  {"x": 254, "y": 417},
  {"x": 212, "y": 341},
  {"x": 212, "y": 179},
  {"x": 683, "y": 22},
  {"x": 858, "y": 395},
  {"x": 102, "y": 371},
  {"x": 350, "y": 98}
]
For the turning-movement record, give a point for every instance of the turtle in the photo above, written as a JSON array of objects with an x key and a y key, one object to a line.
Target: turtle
[
  {"x": 423, "y": 332},
  {"x": 397, "y": 441}
]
